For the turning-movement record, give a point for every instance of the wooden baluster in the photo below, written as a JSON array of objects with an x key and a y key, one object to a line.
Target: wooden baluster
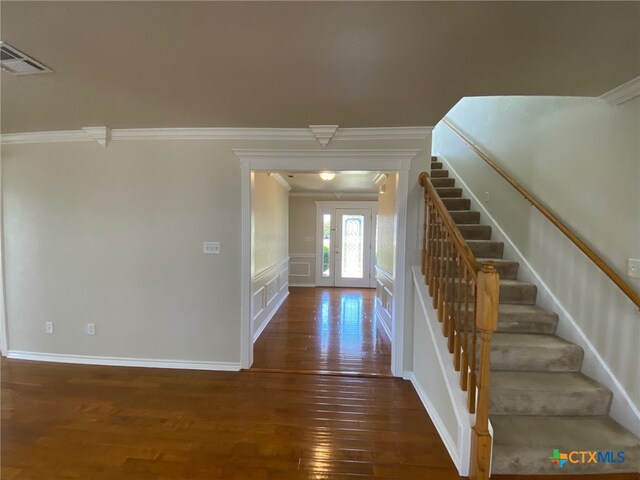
[
  {"x": 471, "y": 390},
  {"x": 451, "y": 299},
  {"x": 444, "y": 298},
  {"x": 425, "y": 236},
  {"x": 488, "y": 289},
  {"x": 431, "y": 246},
  {"x": 435, "y": 286},
  {"x": 464, "y": 367},
  {"x": 458, "y": 315}
]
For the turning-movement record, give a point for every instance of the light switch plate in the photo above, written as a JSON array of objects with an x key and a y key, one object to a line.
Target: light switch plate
[
  {"x": 212, "y": 247},
  {"x": 633, "y": 267}
]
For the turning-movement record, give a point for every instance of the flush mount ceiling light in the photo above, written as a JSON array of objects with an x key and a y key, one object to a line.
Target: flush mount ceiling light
[
  {"x": 15, "y": 62},
  {"x": 327, "y": 176}
]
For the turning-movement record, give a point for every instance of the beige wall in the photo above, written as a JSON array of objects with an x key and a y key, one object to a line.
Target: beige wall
[
  {"x": 580, "y": 156},
  {"x": 385, "y": 244},
  {"x": 269, "y": 222},
  {"x": 114, "y": 237}
]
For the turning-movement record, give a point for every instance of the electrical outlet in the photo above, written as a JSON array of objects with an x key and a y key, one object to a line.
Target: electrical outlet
[
  {"x": 486, "y": 197},
  {"x": 48, "y": 327},
  {"x": 212, "y": 247},
  {"x": 633, "y": 267},
  {"x": 91, "y": 328}
]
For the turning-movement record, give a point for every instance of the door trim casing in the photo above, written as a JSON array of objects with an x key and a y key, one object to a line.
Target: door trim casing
[{"x": 398, "y": 160}]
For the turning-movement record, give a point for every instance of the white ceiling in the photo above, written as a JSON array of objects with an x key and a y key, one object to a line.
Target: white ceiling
[
  {"x": 344, "y": 182},
  {"x": 292, "y": 64}
]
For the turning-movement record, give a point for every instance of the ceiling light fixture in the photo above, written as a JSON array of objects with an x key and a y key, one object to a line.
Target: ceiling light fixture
[{"x": 327, "y": 176}]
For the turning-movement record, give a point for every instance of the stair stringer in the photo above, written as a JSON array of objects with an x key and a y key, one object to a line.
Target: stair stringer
[{"x": 623, "y": 410}]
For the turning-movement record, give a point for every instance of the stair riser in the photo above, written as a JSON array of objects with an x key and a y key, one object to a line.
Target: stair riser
[
  {"x": 512, "y": 461},
  {"x": 524, "y": 323},
  {"x": 467, "y": 217},
  {"x": 519, "y": 294},
  {"x": 565, "y": 358},
  {"x": 436, "y": 165},
  {"x": 486, "y": 248},
  {"x": 506, "y": 271},
  {"x": 449, "y": 192},
  {"x": 453, "y": 204},
  {"x": 443, "y": 182},
  {"x": 508, "y": 402},
  {"x": 522, "y": 294},
  {"x": 475, "y": 232},
  {"x": 439, "y": 174}
]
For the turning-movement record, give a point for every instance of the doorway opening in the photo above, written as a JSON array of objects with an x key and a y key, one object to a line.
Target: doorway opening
[{"x": 315, "y": 161}]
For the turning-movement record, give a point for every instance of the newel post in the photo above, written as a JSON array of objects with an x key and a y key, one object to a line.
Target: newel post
[{"x": 486, "y": 322}]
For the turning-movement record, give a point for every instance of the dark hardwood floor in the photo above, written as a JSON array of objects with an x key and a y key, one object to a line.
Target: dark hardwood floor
[
  {"x": 325, "y": 330},
  {"x": 90, "y": 422}
]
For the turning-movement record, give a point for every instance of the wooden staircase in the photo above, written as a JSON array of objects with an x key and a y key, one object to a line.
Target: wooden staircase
[{"x": 538, "y": 399}]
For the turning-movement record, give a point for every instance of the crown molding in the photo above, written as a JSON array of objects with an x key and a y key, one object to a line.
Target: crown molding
[
  {"x": 383, "y": 133},
  {"x": 90, "y": 134},
  {"x": 624, "y": 92}
]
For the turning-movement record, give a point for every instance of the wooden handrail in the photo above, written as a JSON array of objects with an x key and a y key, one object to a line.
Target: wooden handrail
[
  {"x": 577, "y": 241},
  {"x": 461, "y": 245}
]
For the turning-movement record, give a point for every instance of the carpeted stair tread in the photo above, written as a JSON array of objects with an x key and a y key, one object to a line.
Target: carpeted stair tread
[
  {"x": 514, "y": 318},
  {"x": 486, "y": 248},
  {"x": 534, "y": 353},
  {"x": 453, "y": 204},
  {"x": 508, "y": 269},
  {"x": 443, "y": 182},
  {"x": 517, "y": 292},
  {"x": 439, "y": 173},
  {"x": 465, "y": 217},
  {"x": 436, "y": 165},
  {"x": 475, "y": 232},
  {"x": 522, "y": 445},
  {"x": 449, "y": 192},
  {"x": 547, "y": 393}
]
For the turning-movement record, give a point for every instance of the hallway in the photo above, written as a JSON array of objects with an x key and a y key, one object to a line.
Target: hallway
[{"x": 328, "y": 330}]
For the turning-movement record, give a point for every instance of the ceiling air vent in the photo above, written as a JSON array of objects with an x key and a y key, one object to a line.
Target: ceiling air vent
[{"x": 15, "y": 62}]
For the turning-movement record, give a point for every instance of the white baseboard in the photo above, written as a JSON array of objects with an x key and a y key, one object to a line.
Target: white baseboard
[
  {"x": 270, "y": 315},
  {"x": 623, "y": 410},
  {"x": 383, "y": 316},
  {"x": 124, "y": 361},
  {"x": 305, "y": 285}
]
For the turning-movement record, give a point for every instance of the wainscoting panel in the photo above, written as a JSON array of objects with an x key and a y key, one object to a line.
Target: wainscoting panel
[
  {"x": 302, "y": 269},
  {"x": 269, "y": 288},
  {"x": 384, "y": 298}
]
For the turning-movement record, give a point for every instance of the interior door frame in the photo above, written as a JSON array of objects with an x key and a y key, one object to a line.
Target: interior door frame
[
  {"x": 324, "y": 206},
  {"x": 315, "y": 161}
]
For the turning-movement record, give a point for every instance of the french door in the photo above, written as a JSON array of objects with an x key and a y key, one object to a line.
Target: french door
[{"x": 345, "y": 241}]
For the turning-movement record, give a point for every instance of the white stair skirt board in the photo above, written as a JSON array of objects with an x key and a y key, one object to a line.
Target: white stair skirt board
[
  {"x": 623, "y": 410},
  {"x": 125, "y": 362},
  {"x": 456, "y": 398}
]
